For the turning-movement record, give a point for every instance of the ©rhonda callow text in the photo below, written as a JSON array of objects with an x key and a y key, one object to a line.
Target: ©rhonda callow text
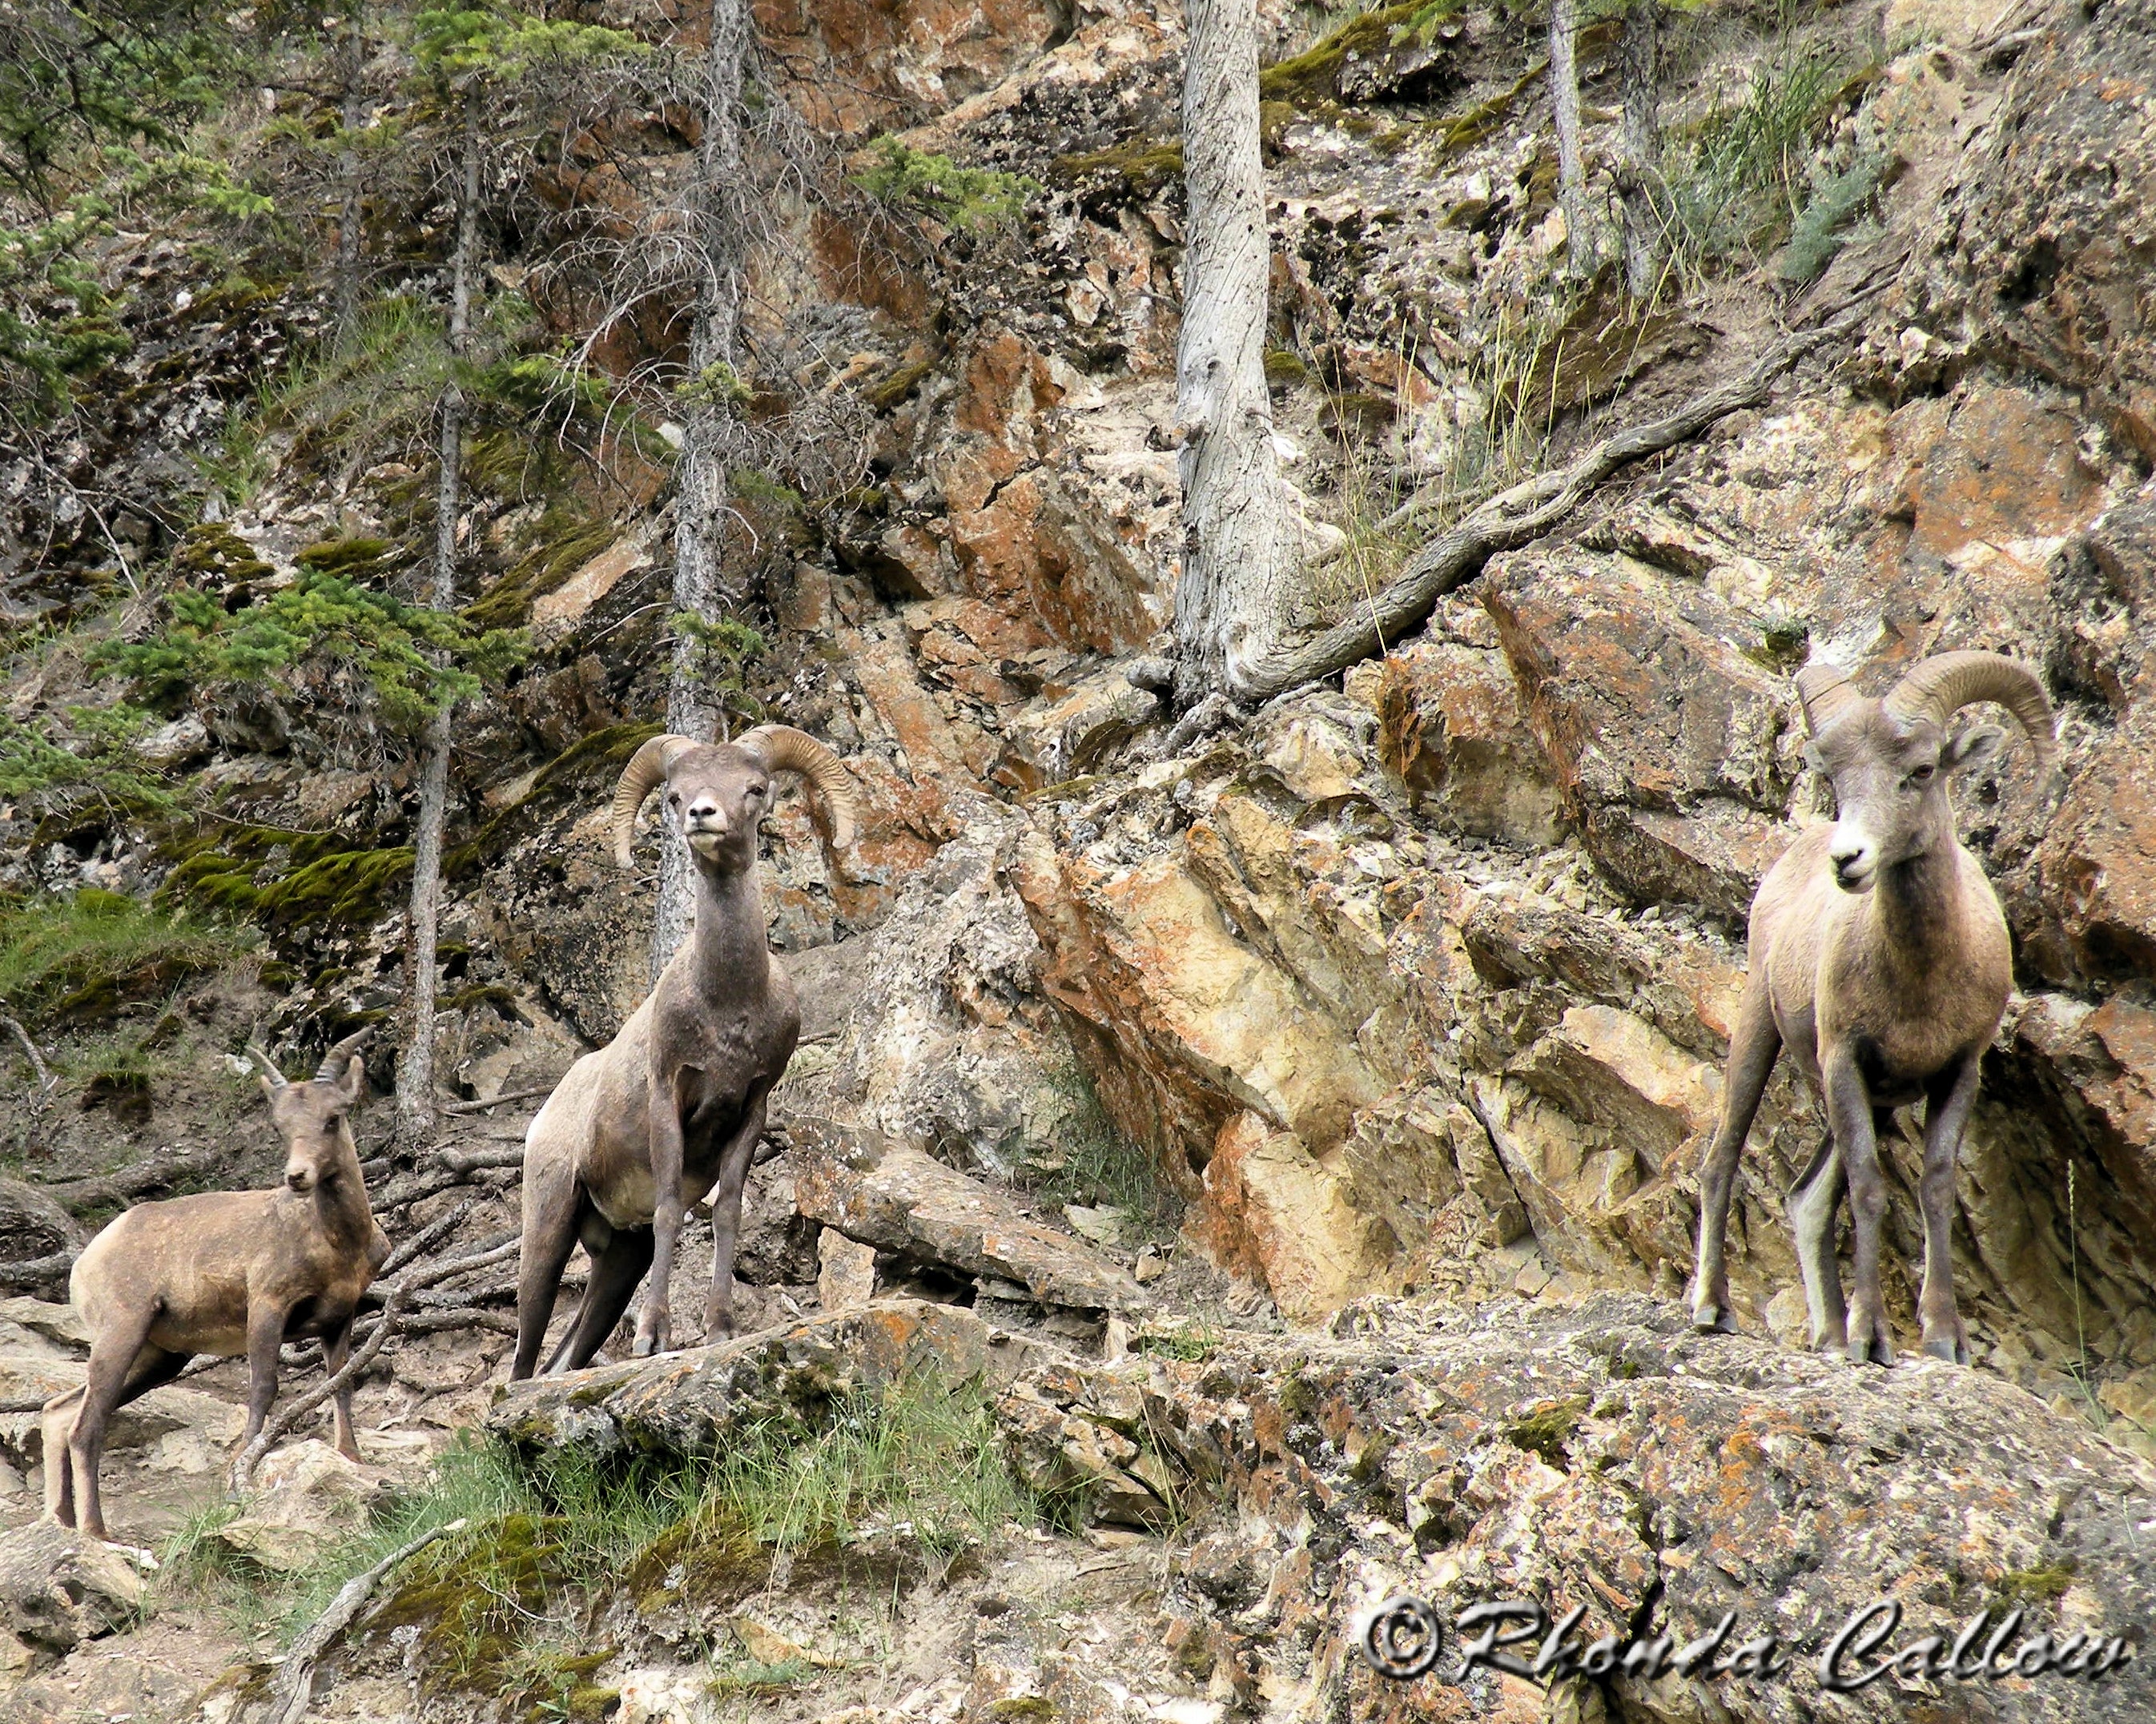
[{"x": 1404, "y": 1638}]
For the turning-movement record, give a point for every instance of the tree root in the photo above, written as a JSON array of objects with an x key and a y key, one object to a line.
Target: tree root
[
  {"x": 1513, "y": 517},
  {"x": 294, "y": 1687}
]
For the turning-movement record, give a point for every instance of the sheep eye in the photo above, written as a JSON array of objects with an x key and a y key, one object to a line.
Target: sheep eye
[{"x": 1921, "y": 775}]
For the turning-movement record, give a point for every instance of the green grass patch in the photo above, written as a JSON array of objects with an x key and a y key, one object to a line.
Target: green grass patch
[
  {"x": 1086, "y": 1160},
  {"x": 77, "y": 958},
  {"x": 877, "y": 1480}
]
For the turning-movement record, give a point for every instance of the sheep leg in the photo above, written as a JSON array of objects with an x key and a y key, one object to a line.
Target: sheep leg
[
  {"x": 1813, "y": 1201},
  {"x": 1948, "y": 1096},
  {"x": 654, "y": 1322},
  {"x": 615, "y": 1273},
  {"x": 56, "y": 1422},
  {"x": 336, "y": 1350},
  {"x": 552, "y": 1207},
  {"x": 114, "y": 1356},
  {"x": 725, "y": 1214},
  {"x": 1849, "y": 1116},
  {"x": 266, "y": 1340},
  {"x": 1753, "y": 1047}
]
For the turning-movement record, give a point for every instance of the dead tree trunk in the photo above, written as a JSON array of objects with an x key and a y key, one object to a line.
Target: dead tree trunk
[
  {"x": 700, "y": 590},
  {"x": 351, "y": 212},
  {"x": 1233, "y": 597},
  {"x": 415, "y": 1071},
  {"x": 1565, "y": 101},
  {"x": 1639, "y": 73}
]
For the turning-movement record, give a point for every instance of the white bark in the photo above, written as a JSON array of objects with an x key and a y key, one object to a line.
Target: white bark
[
  {"x": 1238, "y": 560},
  {"x": 700, "y": 513},
  {"x": 415, "y": 1072},
  {"x": 1565, "y": 101},
  {"x": 1639, "y": 73}
]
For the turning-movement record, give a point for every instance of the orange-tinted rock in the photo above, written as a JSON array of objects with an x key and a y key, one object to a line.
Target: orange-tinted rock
[
  {"x": 2098, "y": 859},
  {"x": 1451, "y": 727},
  {"x": 1666, "y": 742}
]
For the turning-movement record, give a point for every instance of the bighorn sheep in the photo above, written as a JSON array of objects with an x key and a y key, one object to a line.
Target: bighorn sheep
[
  {"x": 1880, "y": 957},
  {"x": 673, "y": 1106},
  {"x": 223, "y": 1273}
]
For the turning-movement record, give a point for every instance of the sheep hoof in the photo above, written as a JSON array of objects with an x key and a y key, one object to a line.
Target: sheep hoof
[
  {"x": 1952, "y": 1350},
  {"x": 1874, "y": 1351},
  {"x": 1714, "y": 1320}
]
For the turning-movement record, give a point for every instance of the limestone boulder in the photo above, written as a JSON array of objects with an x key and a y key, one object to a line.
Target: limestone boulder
[
  {"x": 58, "y": 1589},
  {"x": 2097, "y": 863},
  {"x": 306, "y": 1496},
  {"x": 1454, "y": 732}
]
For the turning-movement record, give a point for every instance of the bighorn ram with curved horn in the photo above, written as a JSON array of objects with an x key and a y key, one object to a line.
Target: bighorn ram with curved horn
[
  {"x": 672, "y": 1107},
  {"x": 223, "y": 1273},
  {"x": 1880, "y": 957}
]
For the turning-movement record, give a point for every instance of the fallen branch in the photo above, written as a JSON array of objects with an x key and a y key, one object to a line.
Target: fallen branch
[
  {"x": 496, "y": 1102},
  {"x": 427, "y": 1237},
  {"x": 156, "y": 1172},
  {"x": 294, "y": 1688},
  {"x": 1514, "y": 517},
  {"x": 472, "y": 1161},
  {"x": 427, "y": 1185},
  {"x": 36, "y": 1271},
  {"x": 288, "y": 1417},
  {"x": 41, "y": 1093}
]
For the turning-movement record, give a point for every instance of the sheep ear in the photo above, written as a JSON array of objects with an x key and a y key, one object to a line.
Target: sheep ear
[
  {"x": 355, "y": 1080},
  {"x": 1972, "y": 747}
]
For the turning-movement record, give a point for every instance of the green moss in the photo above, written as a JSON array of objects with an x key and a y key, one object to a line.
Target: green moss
[
  {"x": 359, "y": 558},
  {"x": 1025, "y": 1709},
  {"x": 886, "y": 394},
  {"x": 1284, "y": 370},
  {"x": 470, "y": 1600},
  {"x": 1312, "y": 78},
  {"x": 1546, "y": 1430},
  {"x": 213, "y": 552},
  {"x": 563, "y": 541},
  {"x": 285, "y": 877},
  {"x": 2045, "y": 1583},
  {"x": 1137, "y": 169}
]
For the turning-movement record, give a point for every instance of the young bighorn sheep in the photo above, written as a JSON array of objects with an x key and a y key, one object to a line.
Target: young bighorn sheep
[
  {"x": 223, "y": 1273},
  {"x": 1880, "y": 958},
  {"x": 672, "y": 1107}
]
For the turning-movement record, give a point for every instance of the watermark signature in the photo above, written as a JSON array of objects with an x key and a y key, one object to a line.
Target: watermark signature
[{"x": 1404, "y": 1637}]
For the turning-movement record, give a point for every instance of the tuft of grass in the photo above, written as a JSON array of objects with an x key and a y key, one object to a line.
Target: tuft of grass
[
  {"x": 1090, "y": 1163},
  {"x": 76, "y": 959},
  {"x": 1823, "y": 226},
  {"x": 1747, "y": 174},
  {"x": 913, "y": 1470}
]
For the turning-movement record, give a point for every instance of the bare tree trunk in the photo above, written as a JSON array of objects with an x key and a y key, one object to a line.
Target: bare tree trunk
[
  {"x": 1237, "y": 584},
  {"x": 1639, "y": 73},
  {"x": 1564, "y": 99},
  {"x": 700, "y": 512},
  {"x": 415, "y": 1071},
  {"x": 351, "y": 214}
]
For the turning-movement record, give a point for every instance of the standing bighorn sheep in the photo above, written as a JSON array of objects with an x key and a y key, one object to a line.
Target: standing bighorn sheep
[
  {"x": 673, "y": 1106},
  {"x": 223, "y": 1273},
  {"x": 1880, "y": 958}
]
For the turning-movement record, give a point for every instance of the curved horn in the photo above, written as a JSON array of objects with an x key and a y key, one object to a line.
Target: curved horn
[
  {"x": 1945, "y": 683},
  {"x": 638, "y": 779},
  {"x": 784, "y": 749},
  {"x": 1827, "y": 693},
  {"x": 332, "y": 1068},
  {"x": 265, "y": 1067}
]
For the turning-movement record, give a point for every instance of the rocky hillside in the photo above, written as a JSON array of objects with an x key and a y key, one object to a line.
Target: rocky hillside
[{"x": 1290, "y": 1134}]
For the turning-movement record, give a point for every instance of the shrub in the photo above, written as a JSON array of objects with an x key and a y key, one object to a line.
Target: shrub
[
  {"x": 976, "y": 199},
  {"x": 100, "y": 765}
]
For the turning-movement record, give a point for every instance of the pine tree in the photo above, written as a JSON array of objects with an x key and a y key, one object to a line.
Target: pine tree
[{"x": 701, "y": 591}]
